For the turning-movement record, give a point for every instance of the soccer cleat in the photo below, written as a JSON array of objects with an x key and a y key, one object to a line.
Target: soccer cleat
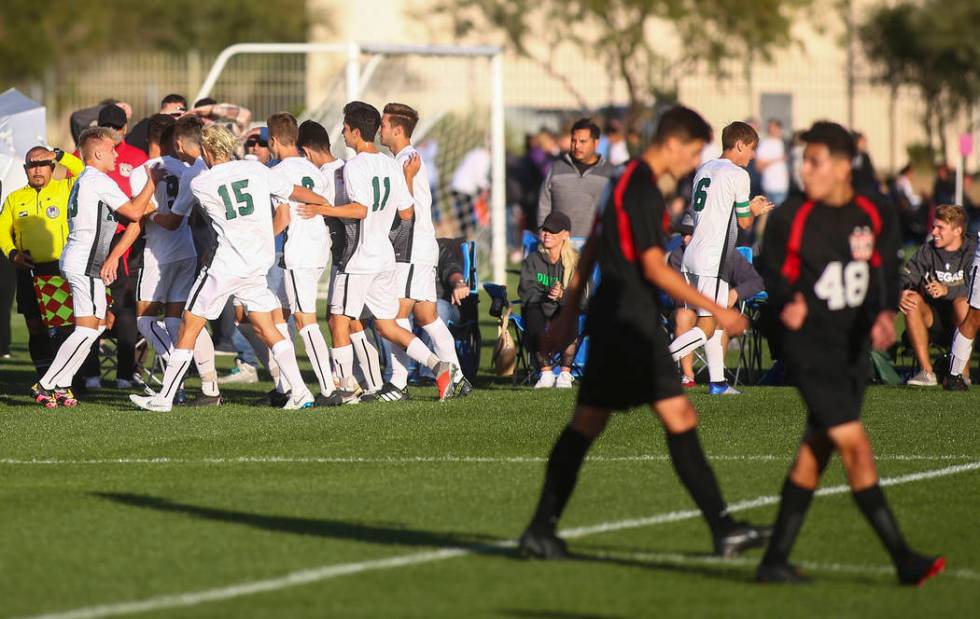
[
  {"x": 565, "y": 380},
  {"x": 391, "y": 393},
  {"x": 547, "y": 380},
  {"x": 955, "y": 382},
  {"x": 242, "y": 373},
  {"x": 688, "y": 382},
  {"x": 741, "y": 536},
  {"x": 150, "y": 403},
  {"x": 45, "y": 397},
  {"x": 917, "y": 569},
  {"x": 206, "y": 400},
  {"x": 305, "y": 400},
  {"x": 326, "y": 401},
  {"x": 462, "y": 387},
  {"x": 780, "y": 573},
  {"x": 923, "y": 379},
  {"x": 444, "y": 372},
  {"x": 65, "y": 398},
  {"x": 722, "y": 389},
  {"x": 93, "y": 382},
  {"x": 541, "y": 545},
  {"x": 349, "y": 397},
  {"x": 273, "y": 398},
  {"x": 180, "y": 398}
]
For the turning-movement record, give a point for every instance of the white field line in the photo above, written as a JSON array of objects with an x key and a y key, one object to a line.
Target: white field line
[
  {"x": 327, "y": 572},
  {"x": 449, "y": 459}
]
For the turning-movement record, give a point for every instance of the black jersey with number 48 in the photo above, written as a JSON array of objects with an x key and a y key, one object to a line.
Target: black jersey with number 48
[{"x": 844, "y": 260}]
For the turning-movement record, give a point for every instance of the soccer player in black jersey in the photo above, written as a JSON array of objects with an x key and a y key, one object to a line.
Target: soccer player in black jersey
[
  {"x": 629, "y": 363},
  {"x": 831, "y": 270}
]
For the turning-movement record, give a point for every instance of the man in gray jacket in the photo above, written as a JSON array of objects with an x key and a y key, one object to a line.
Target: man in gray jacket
[
  {"x": 934, "y": 287},
  {"x": 576, "y": 182}
]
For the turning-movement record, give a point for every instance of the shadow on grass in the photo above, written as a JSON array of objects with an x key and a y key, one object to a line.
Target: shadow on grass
[{"x": 551, "y": 614}]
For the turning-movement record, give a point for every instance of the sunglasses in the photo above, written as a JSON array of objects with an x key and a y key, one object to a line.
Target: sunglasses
[
  {"x": 252, "y": 143},
  {"x": 40, "y": 164}
]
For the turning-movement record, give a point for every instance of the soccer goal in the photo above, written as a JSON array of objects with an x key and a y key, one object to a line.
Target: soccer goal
[{"x": 457, "y": 90}]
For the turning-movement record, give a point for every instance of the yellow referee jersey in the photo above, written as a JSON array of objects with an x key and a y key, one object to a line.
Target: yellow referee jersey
[{"x": 37, "y": 221}]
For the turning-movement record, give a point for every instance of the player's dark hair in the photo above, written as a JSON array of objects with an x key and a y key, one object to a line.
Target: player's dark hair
[
  {"x": 364, "y": 117},
  {"x": 174, "y": 98},
  {"x": 204, "y": 101},
  {"x": 160, "y": 129},
  {"x": 189, "y": 128},
  {"x": 586, "y": 124},
  {"x": 738, "y": 132},
  {"x": 836, "y": 138},
  {"x": 283, "y": 127},
  {"x": 682, "y": 123},
  {"x": 402, "y": 116},
  {"x": 313, "y": 135}
]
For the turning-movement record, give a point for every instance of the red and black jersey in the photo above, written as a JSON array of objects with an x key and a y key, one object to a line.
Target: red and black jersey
[
  {"x": 843, "y": 259},
  {"x": 630, "y": 221}
]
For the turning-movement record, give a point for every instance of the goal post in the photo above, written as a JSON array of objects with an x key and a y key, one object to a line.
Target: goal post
[{"x": 460, "y": 118}]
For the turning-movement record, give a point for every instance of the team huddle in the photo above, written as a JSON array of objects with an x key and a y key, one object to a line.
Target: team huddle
[{"x": 275, "y": 231}]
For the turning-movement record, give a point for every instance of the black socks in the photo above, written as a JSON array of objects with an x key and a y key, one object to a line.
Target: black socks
[
  {"x": 793, "y": 504},
  {"x": 875, "y": 509},
  {"x": 696, "y": 475},
  {"x": 560, "y": 477}
]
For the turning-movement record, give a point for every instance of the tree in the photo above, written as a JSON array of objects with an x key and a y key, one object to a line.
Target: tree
[{"x": 623, "y": 35}]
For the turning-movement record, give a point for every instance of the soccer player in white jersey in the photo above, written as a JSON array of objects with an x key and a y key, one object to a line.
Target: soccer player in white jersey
[
  {"x": 720, "y": 206},
  {"x": 93, "y": 205},
  {"x": 377, "y": 191},
  {"x": 306, "y": 251},
  {"x": 962, "y": 348},
  {"x": 314, "y": 141},
  {"x": 417, "y": 255},
  {"x": 236, "y": 195}
]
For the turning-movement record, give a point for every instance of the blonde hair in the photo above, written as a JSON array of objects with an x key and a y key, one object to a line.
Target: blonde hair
[
  {"x": 219, "y": 142},
  {"x": 89, "y": 139},
  {"x": 568, "y": 259}
]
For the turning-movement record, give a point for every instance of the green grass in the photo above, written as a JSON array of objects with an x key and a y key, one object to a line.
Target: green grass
[{"x": 85, "y": 530}]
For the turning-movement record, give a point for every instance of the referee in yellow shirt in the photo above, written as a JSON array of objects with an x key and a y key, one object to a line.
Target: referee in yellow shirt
[{"x": 33, "y": 230}]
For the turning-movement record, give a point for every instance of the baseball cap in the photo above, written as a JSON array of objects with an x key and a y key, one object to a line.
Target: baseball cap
[
  {"x": 112, "y": 116},
  {"x": 556, "y": 222}
]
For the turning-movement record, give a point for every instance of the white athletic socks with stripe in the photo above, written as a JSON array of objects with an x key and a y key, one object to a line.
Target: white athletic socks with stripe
[
  {"x": 204, "y": 360},
  {"x": 398, "y": 358},
  {"x": 71, "y": 355},
  {"x": 421, "y": 353},
  {"x": 343, "y": 356},
  {"x": 686, "y": 343},
  {"x": 180, "y": 360},
  {"x": 443, "y": 344},
  {"x": 158, "y": 337},
  {"x": 282, "y": 385},
  {"x": 319, "y": 355},
  {"x": 173, "y": 327},
  {"x": 285, "y": 355},
  {"x": 962, "y": 349},
  {"x": 716, "y": 357},
  {"x": 368, "y": 359}
]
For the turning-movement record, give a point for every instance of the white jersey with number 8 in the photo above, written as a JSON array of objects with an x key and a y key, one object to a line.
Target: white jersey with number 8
[{"x": 164, "y": 246}]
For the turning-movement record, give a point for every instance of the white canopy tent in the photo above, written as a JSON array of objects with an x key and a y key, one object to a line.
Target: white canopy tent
[{"x": 23, "y": 125}]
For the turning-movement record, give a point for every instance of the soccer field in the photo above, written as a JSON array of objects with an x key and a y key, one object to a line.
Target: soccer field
[{"x": 410, "y": 509}]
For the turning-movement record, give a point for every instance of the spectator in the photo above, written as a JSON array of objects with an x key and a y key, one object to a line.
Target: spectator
[
  {"x": 745, "y": 284},
  {"x": 619, "y": 152},
  {"x": 470, "y": 180},
  {"x": 771, "y": 162},
  {"x": 863, "y": 175},
  {"x": 33, "y": 230},
  {"x": 172, "y": 105},
  {"x": 934, "y": 287},
  {"x": 233, "y": 117},
  {"x": 944, "y": 187},
  {"x": 544, "y": 276},
  {"x": 257, "y": 145},
  {"x": 576, "y": 182}
]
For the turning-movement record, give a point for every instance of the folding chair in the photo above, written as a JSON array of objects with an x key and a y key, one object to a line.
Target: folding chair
[
  {"x": 466, "y": 332},
  {"x": 523, "y": 368},
  {"x": 750, "y": 342}
]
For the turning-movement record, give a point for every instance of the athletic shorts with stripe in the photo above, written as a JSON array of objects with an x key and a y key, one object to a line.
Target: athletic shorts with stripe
[
  {"x": 166, "y": 283},
  {"x": 211, "y": 292},
  {"x": 301, "y": 287},
  {"x": 715, "y": 288},
  {"x": 377, "y": 292},
  {"x": 276, "y": 282},
  {"x": 416, "y": 281},
  {"x": 87, "y": 295},
  {"x": 974, "y": 296}
]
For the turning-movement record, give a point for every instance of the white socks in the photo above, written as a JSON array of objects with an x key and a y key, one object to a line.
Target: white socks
[
  {"x": 343, "y": 357},
  {"x": 71, "y": 355},
  {"x": 204, "y": 360},
  {"x": 961, "y": 350},
  {"x": 443, "y": 344},
  {"x": 180, "y": 360},
  {"x": 319, "y": 355},
  {"x": 716, "y": 358},
  {"x": 421, "y": 353},
  {"x": 158, "y": 337},
  {"x": 173, "y": 327},
  {"x": 398, "y": 358},
  {"x": 686, "y": 343},
  {"x": 285, "y": 356},
  {"x": 368, "y": 359}
]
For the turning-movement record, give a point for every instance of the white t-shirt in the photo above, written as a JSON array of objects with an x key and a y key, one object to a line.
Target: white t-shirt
[
  {"x": 378, "y": 182},
  {"x": 473, "y": 174},
  {"x": 307, "y": 240},
  {"x": 721, "y": 194},
  {"x": 164, "y": 246},
  {"x": 423, "y": 248},
  {"x": 237, "y": 197},
  {"x": 775, "y": 177},
  {"x": 92, "y": 206}
]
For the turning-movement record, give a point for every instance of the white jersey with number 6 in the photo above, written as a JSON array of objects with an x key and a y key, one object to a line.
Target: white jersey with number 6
[
  {"x": 164, "y": 246},
  {"x": 237, "y": 197},
  {"x": 307, "y": 240},
  {"x": 721, "y": 193},
  {"x": 378, "y": 182}
]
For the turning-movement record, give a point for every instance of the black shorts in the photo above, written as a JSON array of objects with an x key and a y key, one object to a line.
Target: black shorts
[
  {"x": 832, "y": 383},
  {"x": 943, "y": 320},
  {"x": 26, "y": 299},
  {"x": 628, "y": 366}
]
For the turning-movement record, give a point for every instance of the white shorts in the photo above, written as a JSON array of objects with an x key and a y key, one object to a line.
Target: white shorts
[
  {"x": 974, "y": 296},
  {"x": 211, "y": 292},
  {"x": 87, "y": 295},
  {"x": 166, "y": 283},
  {"x": 301, "y": 287},
  {"x": 276, "y": 283},
  {"x": 416, "y": 282},
  {"x": 353, "y": 292},
  {"x": 714, "y": 288}
]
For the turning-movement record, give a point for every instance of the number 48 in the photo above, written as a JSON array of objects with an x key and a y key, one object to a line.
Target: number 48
[{"x": 843, "y": 286}]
